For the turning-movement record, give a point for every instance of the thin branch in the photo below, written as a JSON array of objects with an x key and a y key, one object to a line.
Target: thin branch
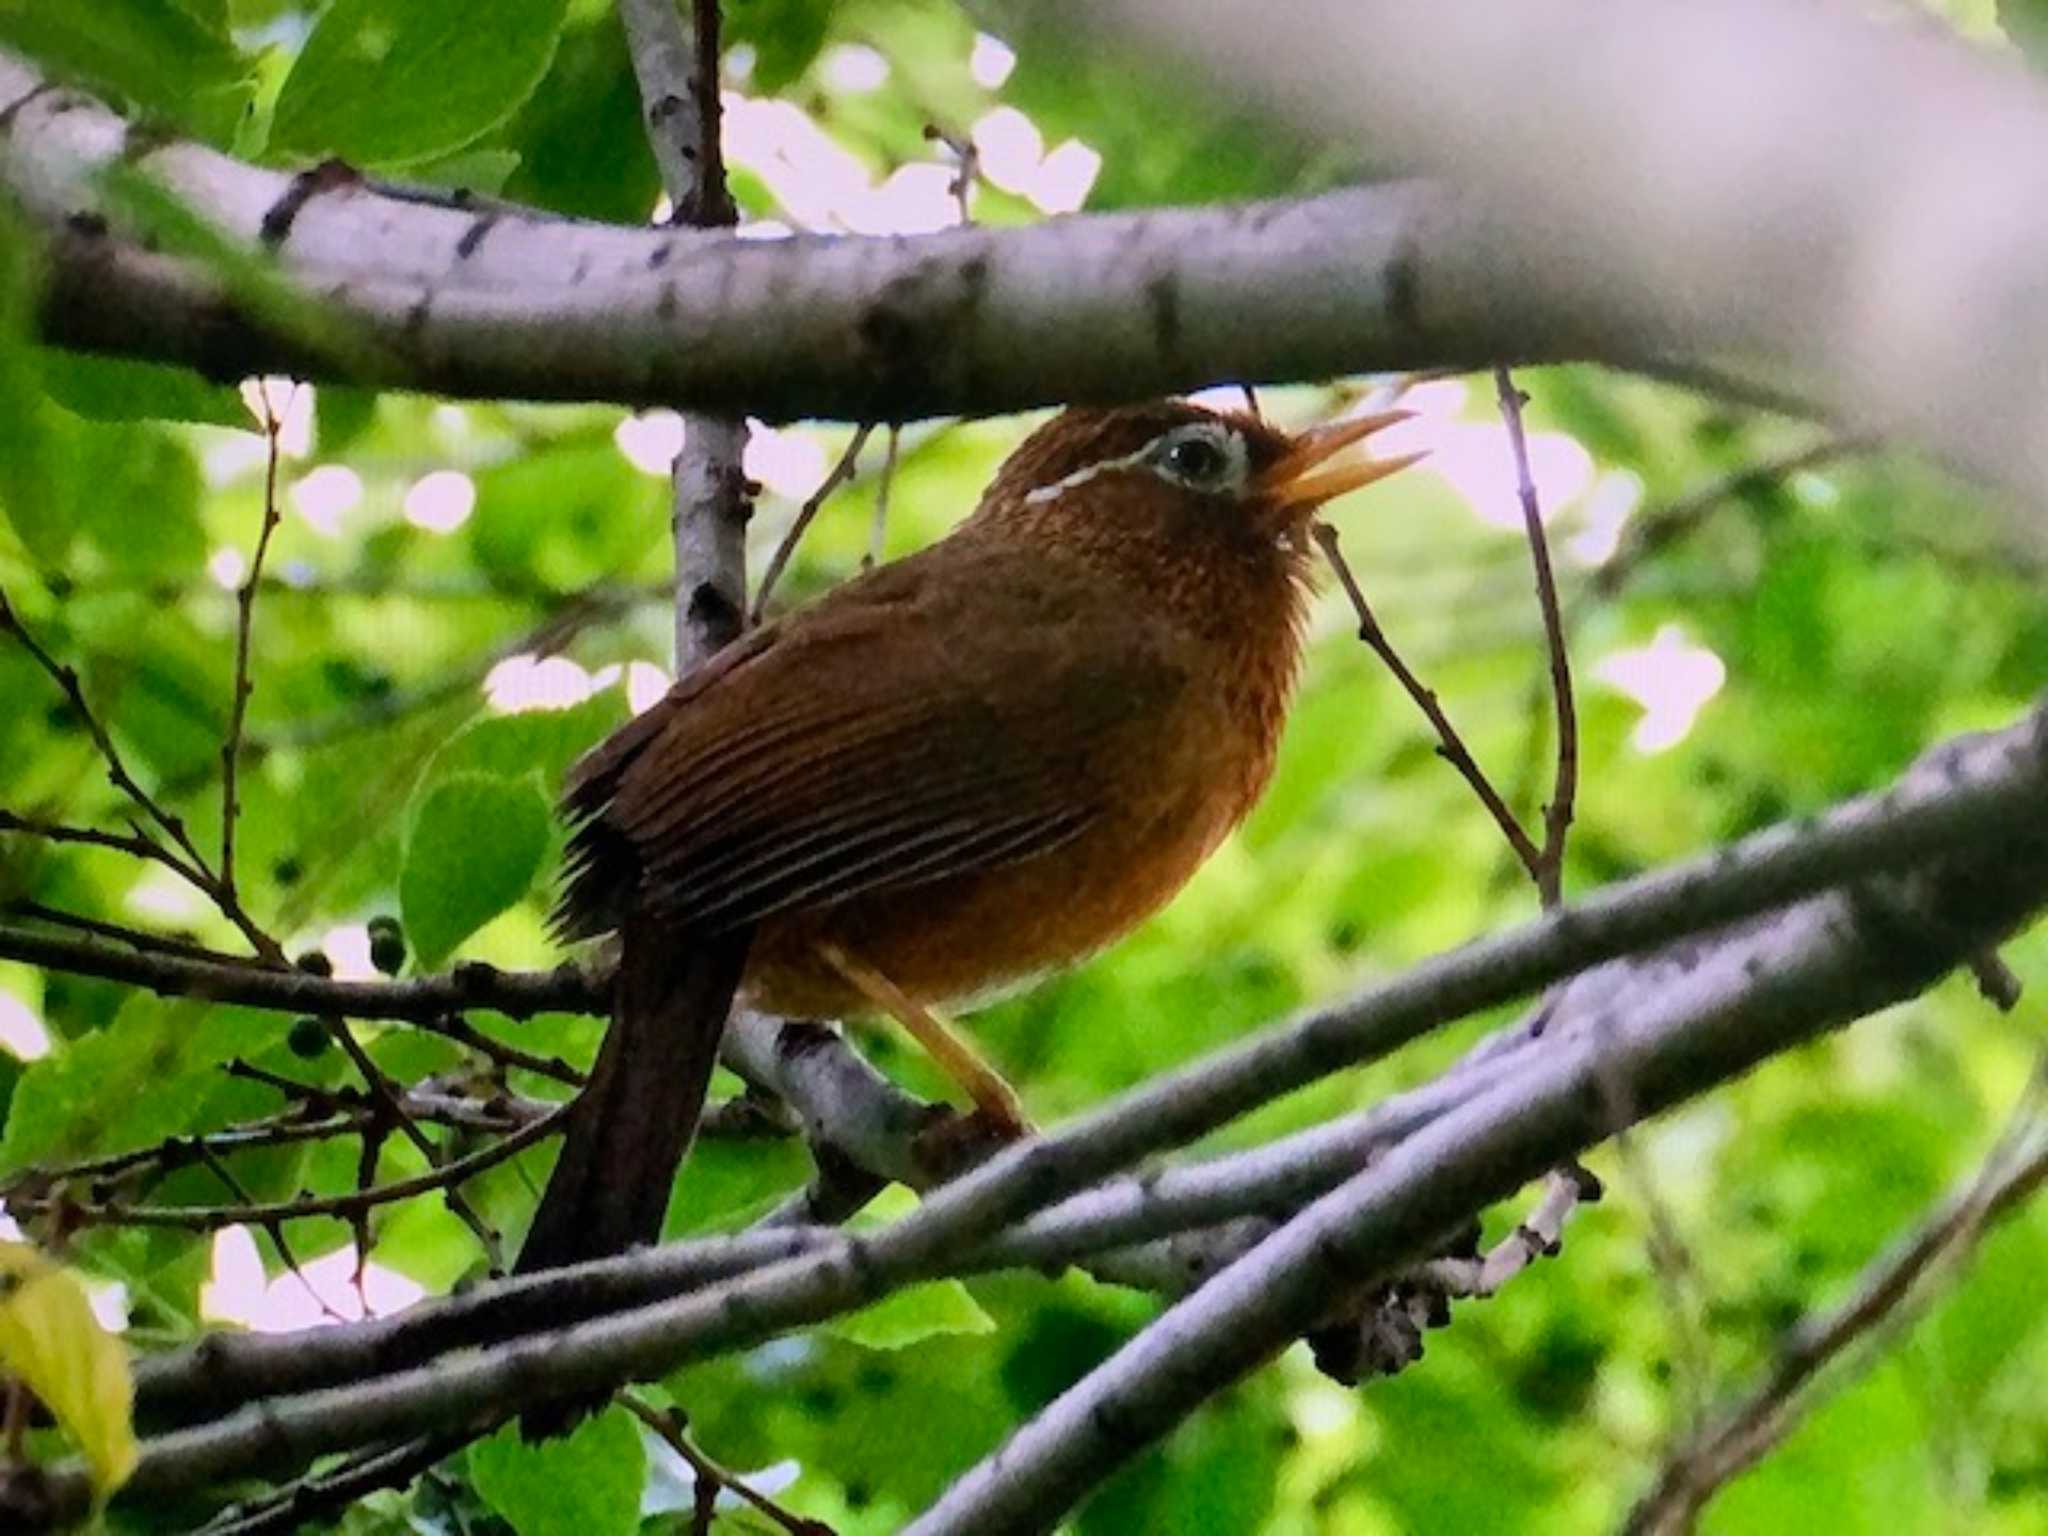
[
  {"x": 713, "y": 1479},
  {"x": 230, "y": 979},
  {"x": 301, "y": 1503},
  {"x": 842, "y": 471},
  {"x": 1557, "y": 815},
  {"x": 1886, "y": 1297},
  {"x": 1450, "y": 745},
  {"x": 1657, "y": 529},
  {"x": 1752, "y": 992},
  {"x": 878, "y": 534},
  {"x": 245, "y": 623},
  {"x": 444, "y": 1177}
]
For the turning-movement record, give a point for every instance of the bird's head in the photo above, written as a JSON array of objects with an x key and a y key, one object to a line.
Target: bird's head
[{"x": 1174, "y": 466}]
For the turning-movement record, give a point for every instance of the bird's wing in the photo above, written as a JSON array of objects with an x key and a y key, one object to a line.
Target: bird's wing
[{"x": 918, "y": 724}]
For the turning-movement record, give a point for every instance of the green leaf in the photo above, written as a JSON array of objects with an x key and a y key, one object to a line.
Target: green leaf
[
  {"x": 383, "y": 82},
  {"x": 2026, "y": 23},
  {"x": 476, "y": 844},
  {"x": 784, "y": 34},
  {"x": 137, "y": 499},
  {"x": 158, "y": 55},
  {"x": 139, "y": 1080},
  {"x": 582, "y": 1484},
  {"x": 51, "y": 1343},
  {"x": 118, "y": 389},
  {"x": 541, "y": 742},
  {"x": 580, "y": 144},
  {"x": 906, "y": 1318}
]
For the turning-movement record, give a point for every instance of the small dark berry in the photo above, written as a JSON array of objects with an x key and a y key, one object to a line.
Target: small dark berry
[
  {"x": 308, "y": 1038},
  {"x": 314, "y": 962},
  {"x": 387, "y": 945}
]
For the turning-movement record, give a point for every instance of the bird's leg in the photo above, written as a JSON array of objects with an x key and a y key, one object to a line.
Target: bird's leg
[{"x": 990, "y": 1091}]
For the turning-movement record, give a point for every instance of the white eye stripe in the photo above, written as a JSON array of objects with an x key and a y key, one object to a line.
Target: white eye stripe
[{"x": 1154, "y": 456}]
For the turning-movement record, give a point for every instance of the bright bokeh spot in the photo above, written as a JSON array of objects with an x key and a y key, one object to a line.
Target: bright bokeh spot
[
  {"x": 1010, "y": 148},
  {"x": 22, "y": 1032},
  {"x": 646, "y": 684},
  {"x": 854, "y": 69},
  {"x": 440, "y": 502},
  {"x": 1612, "y": 501},
  {"x": 991, "y": 61},
  {"x": 227, "y": 567},
  {"x": 326, "y": 495},
  {"x": 1065, "y": 178},
  {"x": 347, "y": 947},
  {"x": 1671, "y": 678},
  {"x": 161, "y": 895},
  {"x": 290, "y": 404},
  {"x": 522, "y": 683},
  {"x": 789, "y": 463},
  {"x": 650, "y": 441},
  {"x": 1478, "y": 460},
  {"x": 238, "y": 1290}
]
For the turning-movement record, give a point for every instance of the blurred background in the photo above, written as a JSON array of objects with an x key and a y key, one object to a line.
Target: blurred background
[{"x": 1763, "y": 617}]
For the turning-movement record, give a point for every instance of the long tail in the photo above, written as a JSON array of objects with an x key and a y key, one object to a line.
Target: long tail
[{"x": 636, "y": 1116}]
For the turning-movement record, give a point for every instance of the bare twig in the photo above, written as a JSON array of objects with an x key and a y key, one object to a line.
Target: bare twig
[
  {"x": 245, "y": 621},
  {"x": 878, "y": 534},
  {"x": 713, "y": 1479},
  {"x": 1450, "y": 745},
  {"x": 1887, "y": 1297},
  {"x": 1557, "y": 815},
  {"x": 842, "y": 471},
  {"x": 444, "y": 1177},
  {"x": 301, "y": 1503},
  {"x": 183, "y": 856}
]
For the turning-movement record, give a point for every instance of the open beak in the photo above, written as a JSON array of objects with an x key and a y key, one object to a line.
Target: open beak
[{"x": 1307, "y": 476}]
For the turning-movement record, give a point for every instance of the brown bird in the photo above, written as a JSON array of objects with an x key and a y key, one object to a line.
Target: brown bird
[{"x": 945, "y": 778}]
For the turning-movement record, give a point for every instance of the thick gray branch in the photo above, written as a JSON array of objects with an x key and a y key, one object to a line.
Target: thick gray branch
[
  {"x": 492, "y": 301},
  {"x": 1726, "y": 1003},
  {"x": 1864, "y": 201},
  {"x": 1975, "y": 805}
]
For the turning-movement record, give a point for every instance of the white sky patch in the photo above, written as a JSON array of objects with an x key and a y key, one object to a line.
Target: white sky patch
[
  {"x": 228, "y": 568},
  {"x": 291, "y": 405},
  {"x": 663, "y": 210},
  {"x": 163, "y": 896},
  {"x": 1672, "y": 678},
  {"x": 853, "y": 69},
  {"x": 109, "y": 1302},
  {"x": 326, "y": 495},
  {"x": 451, "y": 422},
  {"x": 440, "y": 502},
  {"x": 739, "y": 62},
  {"x": 23, "y": 1034},
  {"x": 917, "y": 199},
  {"x": 791, "y": 464},
  {"x": 1010, "y": 148},
  {"x": 991, "y": 61},
  {"x": 238, "y": 1291},
  {"x": 522, "y": 683},
  {"x": 1478, "y": 461},
  {"x": 1612, "y": 501},
  {"x": 348, "y": 948},
  {"x": 650, "y": 441},
  {"x": 645, "y": 685},
  {"x": 1065, "y": 178},
  {"x": 763, "y": 229}
]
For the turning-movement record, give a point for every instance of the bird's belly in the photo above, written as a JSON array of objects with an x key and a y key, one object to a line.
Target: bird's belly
[{"x": 971, "y": 939}]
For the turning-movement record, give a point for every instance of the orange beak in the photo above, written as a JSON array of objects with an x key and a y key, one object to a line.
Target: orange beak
[{"x": 1306, "y": 478}]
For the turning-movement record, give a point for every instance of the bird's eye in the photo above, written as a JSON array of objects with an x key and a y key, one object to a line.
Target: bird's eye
[
  {"x": 1200, "y": 458},
  {"x": 1195, "y": 459}
]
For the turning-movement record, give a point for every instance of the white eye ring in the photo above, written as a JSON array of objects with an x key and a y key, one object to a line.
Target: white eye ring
[{"x": 1202, "y": 456}]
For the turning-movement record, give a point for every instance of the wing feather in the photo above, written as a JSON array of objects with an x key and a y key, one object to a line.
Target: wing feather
[{"x": 853, "y": 748}]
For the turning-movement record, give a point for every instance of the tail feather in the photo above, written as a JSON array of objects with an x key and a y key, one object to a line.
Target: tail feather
[{"x": 636, "y": 1116}]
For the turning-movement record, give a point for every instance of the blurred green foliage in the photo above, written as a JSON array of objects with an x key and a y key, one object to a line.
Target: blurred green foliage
[{"x": 1861, "y": 609}]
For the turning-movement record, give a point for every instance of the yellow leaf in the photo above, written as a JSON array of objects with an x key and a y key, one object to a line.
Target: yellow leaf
[{"x": 51, "y": 1342}]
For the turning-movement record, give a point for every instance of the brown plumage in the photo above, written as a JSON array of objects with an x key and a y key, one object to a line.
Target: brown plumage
[{"x": 962, "y": 770}]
